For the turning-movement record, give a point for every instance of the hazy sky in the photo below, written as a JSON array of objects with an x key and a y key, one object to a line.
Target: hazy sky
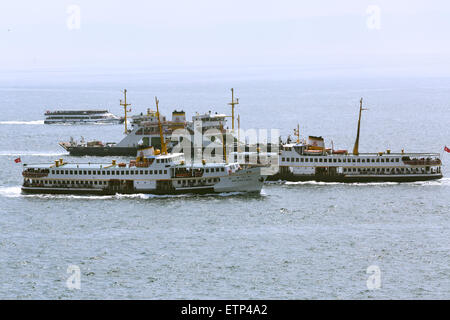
[{"x": 183, "y": 34}]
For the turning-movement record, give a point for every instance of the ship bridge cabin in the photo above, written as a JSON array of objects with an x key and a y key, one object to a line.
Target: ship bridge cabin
[{"x": 210, "y": 120}]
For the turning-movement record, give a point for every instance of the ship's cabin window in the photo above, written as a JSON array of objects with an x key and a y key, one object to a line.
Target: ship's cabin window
[
  {"x": 282, "y": 159},
  {"x": 382, "y": 160},
  {"x": 53, "y": 171},
  {"x": 292, "y": 159},
  {"x": 339, "y": 160},
  {"x": 127, "y": 172},
  {"x": 165, "y": 171},
  {"x": 396, "y": 160},
  {"x": 141, "y": 172},
  {"x": 378, "y": 160},
  {"x": 222, "y": 169},
  {"x": 297, "y": 160},
  {"x": 146, "y": 171},
  {"x": 306, "y": 159},
  {"x": 358, "y": 160}
]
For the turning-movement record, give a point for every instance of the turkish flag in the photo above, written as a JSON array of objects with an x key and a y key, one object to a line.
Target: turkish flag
[
  {"x": 17, "y": 160},
  {"x": 446, "y": 149}
]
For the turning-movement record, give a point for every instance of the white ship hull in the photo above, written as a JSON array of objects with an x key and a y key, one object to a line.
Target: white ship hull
[{"x": 84, "y": 121}]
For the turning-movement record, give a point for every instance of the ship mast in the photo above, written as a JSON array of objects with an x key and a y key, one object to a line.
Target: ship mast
[
  {"x": 356, "y": 147},
  {"x": 239, "y": 129},
  {"x": 232, "y": 104},
  {"x": 297, "y": 133},
  {"x": 161, "y": 136},
  {"x": 223, "y": 142},
  {"x": 125, "y": 105}
]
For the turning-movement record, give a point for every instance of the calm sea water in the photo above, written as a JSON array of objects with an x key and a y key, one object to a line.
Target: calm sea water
[{"x": 294, "y": 241}]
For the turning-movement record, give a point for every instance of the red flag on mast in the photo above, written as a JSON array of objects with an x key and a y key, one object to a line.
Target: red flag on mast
[
  {"x": 446, "y": 149},
  {"x": 17, "y": 160}
]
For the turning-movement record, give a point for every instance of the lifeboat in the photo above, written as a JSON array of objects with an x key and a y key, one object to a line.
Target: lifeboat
[
  {"x": 313, "y": 152},
  {"x": 340, "y": 152}
]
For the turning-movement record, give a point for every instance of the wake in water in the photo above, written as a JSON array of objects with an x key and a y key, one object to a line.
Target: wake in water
[
  {"x": 15, "y": 192},
  {"x": 32, "y": 153},
  {"x": 35, "y": 122},
  {"x": 439, "y": 182}
]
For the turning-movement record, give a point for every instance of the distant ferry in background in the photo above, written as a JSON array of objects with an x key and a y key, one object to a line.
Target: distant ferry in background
[{"x": 81, "y": 117}]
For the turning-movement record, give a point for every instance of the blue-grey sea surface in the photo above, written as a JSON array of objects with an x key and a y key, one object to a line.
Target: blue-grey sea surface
[{"x": 293, "y": 241}]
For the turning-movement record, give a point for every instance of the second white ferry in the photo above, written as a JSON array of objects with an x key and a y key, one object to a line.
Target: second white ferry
[{"x": 311, "y": 160}]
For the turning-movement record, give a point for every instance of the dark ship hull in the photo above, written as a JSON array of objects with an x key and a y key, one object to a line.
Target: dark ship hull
[
  {"x": 353, "y": 179},
  {"x": 102, "y": 151}
]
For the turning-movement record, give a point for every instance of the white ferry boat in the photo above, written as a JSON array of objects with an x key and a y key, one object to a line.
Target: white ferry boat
[
  {"x": 304, "y": 161},
  {"x": 153, "y": 171},
  {"x": 81, "y": 117}
]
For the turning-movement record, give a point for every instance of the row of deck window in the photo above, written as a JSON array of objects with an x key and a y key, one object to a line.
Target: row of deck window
[
  {"x": 314, "y": 159},
  {"x": 108, "y": 172},
  {"x": 216, "y": 169},
  {"x": 66, "y": 182},
  {"x": 200, "y": 181},
  {"x": 392, "y": 170}
]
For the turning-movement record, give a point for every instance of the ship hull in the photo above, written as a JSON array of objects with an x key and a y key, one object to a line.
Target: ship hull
[
  {"x": 74, "y": 191},
  {"x": 248, "y": 180},
  {"x": 105, "y": 192},
  {"x": 102, "y": 151},
  {"x": 354, "y": 179}
]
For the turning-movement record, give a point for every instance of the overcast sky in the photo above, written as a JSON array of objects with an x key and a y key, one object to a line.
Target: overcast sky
[{"x": 199, "y": 33}]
